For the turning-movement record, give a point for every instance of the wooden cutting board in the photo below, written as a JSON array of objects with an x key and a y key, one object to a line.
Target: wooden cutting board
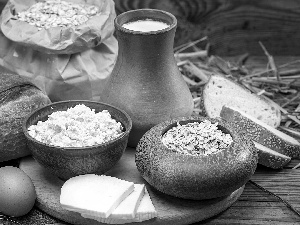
[{"x": 170, "y": 210}]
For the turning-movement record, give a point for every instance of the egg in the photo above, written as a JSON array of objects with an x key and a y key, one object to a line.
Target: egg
[{"x": 17, "y": 192}]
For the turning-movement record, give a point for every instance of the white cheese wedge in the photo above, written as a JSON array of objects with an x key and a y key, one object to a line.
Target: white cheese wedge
[
  {"x": 94, "y": 194},
  {"x": 128, "y": 207},
  {"x": 145, "y": 211}
]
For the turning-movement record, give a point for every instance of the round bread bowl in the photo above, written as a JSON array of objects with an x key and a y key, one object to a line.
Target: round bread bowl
[
  {"x": 67, "y": 162},
  {"x": 195, "y": 177}
]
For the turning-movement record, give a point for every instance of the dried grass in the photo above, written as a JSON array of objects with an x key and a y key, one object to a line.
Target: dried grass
[{"x": 279, "y": 83}]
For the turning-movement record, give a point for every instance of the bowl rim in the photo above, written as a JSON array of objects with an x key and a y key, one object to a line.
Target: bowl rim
[
  {"x": 161, "y": 128},
  {"x": 77, "y": 149}
]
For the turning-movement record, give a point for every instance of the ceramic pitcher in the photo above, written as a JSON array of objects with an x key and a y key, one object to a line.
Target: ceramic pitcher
[{"x": 145, "y": 81}]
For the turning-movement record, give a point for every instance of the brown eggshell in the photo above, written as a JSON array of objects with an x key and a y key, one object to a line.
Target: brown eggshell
[{"x": 17, "y": 192}]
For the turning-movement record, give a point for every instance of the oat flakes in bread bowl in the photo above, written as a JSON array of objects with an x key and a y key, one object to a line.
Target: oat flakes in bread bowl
[{"x": 190, "y": 176}]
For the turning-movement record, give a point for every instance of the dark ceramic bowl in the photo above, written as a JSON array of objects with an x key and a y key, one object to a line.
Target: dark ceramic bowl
[
  {"x": 67, "y": 162},
  {"x": 195, "y": 177}
]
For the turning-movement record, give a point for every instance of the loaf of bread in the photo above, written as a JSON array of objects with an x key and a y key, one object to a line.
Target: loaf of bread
[
  {"x": 18, "y": 98},
  {"x": 220, "y": 91}
]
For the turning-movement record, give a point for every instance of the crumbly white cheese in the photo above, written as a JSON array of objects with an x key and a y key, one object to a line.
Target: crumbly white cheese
[
  {"x": 79, "y": 126},
  {"x": 196, "y": 138}
]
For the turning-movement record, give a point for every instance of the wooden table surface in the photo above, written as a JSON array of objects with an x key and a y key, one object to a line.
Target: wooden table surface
[{"x": 253, "y": 207}]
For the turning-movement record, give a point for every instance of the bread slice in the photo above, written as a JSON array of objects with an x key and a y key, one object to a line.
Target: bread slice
[
  {"x": 220, "y": 91},
  {"x": 94, "y": 194},
  {"x": 270, "y": 158},
  {"x": 145, "y": 211},
  {"x": 261, "y": 132},
  {"x": 128, "y": 207}
]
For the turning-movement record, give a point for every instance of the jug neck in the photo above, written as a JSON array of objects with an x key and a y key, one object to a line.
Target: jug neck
[
  {"x": 155, "y": 46},
  {"x": 158, "y": 46}
]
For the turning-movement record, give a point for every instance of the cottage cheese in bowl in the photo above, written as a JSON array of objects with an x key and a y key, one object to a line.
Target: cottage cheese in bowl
[{"x": 78, "y": 126}]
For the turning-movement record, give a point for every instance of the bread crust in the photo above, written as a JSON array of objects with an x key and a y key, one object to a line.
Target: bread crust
[
  {"x": 262, "y": 134},
  {"x": 241, "y": 98},
  {"x": 195, "y": 177},
  {"x": 18, "y": 98}
]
